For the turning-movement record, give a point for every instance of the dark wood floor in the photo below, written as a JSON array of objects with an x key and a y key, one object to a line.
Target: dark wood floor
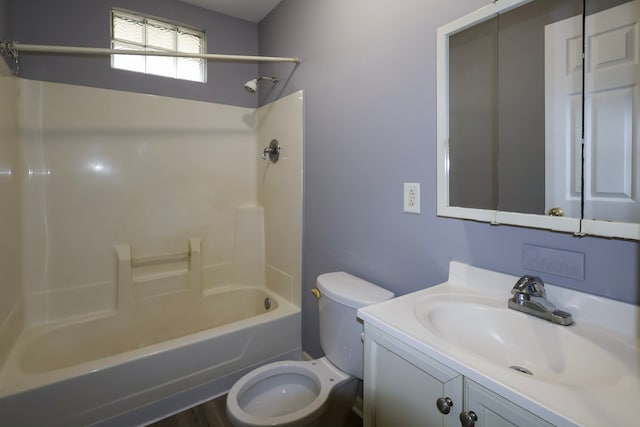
[{"x": 214, "y": 414}]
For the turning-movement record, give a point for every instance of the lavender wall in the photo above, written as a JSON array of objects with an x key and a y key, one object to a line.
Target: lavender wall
[
  {"x": 369, "y": 75},
  {"x": 5, "y": 23},
  {"x": 86, "y": 23}
]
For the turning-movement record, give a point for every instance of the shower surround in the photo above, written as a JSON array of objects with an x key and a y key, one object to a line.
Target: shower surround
[{"x": 137, "y": 207}]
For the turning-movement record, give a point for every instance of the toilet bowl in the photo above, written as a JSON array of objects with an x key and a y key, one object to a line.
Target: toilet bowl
[
  {"x": 291, "y": 393},
  {"x": 317, "y": 392}
]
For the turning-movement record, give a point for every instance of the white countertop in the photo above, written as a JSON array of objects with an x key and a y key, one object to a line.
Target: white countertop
[{"x": 615, "y": 326}]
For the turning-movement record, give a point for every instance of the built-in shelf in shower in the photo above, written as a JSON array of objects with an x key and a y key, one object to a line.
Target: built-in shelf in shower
[{"x": 147, "y": 277}]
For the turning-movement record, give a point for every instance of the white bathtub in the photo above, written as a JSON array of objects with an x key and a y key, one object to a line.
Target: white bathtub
[{"x": 134, "y": 367}]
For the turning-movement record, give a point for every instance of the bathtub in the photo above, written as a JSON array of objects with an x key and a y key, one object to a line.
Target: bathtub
[{"x": 137, "y": 366}]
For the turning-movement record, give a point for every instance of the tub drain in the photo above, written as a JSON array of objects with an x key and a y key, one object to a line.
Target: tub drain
[
  {"x": 521, "y": 369},
  {"x": 267, "y": 303}
]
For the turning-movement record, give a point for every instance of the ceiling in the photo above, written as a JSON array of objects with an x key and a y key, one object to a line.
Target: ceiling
[{"x": 249, "y": 10}]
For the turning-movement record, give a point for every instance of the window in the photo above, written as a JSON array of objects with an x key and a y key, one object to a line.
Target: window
[{"x": 133, "y": 32}]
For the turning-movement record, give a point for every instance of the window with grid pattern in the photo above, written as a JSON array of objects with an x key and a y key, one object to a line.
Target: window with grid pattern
[{"x": 133, "y": 32}]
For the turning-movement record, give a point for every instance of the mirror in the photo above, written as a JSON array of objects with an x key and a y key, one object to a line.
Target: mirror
[
  {"x": 612, "y": 104},
  {"x": 510, "y": 107}
]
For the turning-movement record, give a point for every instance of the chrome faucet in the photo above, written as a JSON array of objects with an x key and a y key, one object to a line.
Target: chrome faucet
[
  {"x": 268, "y": 151},
  {"x": 273, "y": 151},
  {"x": 529, "y": 296}
]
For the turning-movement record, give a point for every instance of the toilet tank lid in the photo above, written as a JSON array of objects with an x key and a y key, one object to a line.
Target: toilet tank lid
[{"x": 350, "y": 290}]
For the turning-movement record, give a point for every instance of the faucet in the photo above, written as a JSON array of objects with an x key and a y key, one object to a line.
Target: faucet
[
  {"x": 267, "y": 151},
  {"x": 273, "y": 151},
  {"x": 529, "y": 296}
]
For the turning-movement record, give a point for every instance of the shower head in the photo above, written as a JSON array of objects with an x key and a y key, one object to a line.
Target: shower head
[{"x": 252, "y": 85}]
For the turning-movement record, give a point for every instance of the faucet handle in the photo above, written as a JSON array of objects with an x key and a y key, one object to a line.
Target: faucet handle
[
  {"x": 273, "y": 151},
  {"x": 530, "y": 285}
]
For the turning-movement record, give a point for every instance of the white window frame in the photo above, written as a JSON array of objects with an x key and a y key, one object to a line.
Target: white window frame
[{"x": 155, "y": 65}]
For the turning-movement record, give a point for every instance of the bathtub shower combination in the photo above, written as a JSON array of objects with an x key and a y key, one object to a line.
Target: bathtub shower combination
[
  {"x": 114, "y": 326},
  {"x": 153, "y": 357}
]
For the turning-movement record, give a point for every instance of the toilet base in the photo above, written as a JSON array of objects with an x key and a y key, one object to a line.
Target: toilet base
[{"x": 341, "y": 402}]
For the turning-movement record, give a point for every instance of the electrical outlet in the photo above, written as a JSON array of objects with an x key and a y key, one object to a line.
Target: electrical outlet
[{"x": 412, "y": 197}]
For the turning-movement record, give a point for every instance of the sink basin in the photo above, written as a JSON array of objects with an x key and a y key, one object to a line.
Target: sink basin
[{"x": 578, "y": 355}]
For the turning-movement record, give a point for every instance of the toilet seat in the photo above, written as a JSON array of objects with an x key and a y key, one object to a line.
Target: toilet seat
[{"x": 286, "y": 393}]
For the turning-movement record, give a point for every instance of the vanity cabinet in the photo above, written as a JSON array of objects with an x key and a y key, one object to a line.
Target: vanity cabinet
[
  {"x": 493, "y": 410},
  {"x": 401, "y": 387},
  {"x": 405, "y": 388}
]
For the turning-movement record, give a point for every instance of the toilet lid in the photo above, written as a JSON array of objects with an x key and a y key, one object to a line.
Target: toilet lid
[{"x": 350, "y": 290}]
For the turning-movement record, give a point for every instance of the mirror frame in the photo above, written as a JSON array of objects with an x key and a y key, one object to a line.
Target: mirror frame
[{"x": 578, "y": 226}]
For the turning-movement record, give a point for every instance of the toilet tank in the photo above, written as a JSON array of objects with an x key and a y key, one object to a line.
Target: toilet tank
[{"x": 341, "y": 295}]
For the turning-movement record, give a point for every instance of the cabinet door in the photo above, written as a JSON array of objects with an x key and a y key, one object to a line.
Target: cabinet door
[
  {"x": 493, "y": 410},
  {"x": 401, "y": 389}
]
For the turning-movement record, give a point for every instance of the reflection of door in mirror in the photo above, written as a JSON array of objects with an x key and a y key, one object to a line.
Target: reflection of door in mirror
[
  {"x": 563, "y": 116},
  {"x": 612, "y": 78}
]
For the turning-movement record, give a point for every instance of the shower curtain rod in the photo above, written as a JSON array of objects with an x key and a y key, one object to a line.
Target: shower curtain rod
[{"x": 12, "y": 49}]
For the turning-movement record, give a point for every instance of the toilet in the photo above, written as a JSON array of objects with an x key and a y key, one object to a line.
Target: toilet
[{"x": 317, "y": 392}]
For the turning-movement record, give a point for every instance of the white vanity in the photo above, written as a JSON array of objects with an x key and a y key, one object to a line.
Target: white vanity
[{"x": 454, "y": 354}]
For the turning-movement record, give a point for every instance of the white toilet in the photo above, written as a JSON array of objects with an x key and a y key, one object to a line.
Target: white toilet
[{"x": 316, "y": 392}]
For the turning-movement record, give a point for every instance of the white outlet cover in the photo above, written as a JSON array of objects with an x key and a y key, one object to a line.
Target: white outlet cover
[{"x": 412, "y": 197}]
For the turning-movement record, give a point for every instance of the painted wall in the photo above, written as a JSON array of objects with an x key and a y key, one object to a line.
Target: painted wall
[
  {"x": 82, "y": 23},
  {"x": 5, "y": 19},
  {"x": 369, "y": 75}
]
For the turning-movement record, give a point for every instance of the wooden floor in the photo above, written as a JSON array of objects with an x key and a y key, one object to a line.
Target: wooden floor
[
  {"x": 208, "y": 414},
  {"x": 214, "y": 414}
]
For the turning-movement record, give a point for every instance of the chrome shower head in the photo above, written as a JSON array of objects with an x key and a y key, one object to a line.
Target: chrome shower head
[{"x": 252, "y": 85}]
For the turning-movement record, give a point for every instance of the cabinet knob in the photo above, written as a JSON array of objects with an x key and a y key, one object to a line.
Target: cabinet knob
[
  {"x": 468, "y": 419},
  {"x": 444, "y": 405}
]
